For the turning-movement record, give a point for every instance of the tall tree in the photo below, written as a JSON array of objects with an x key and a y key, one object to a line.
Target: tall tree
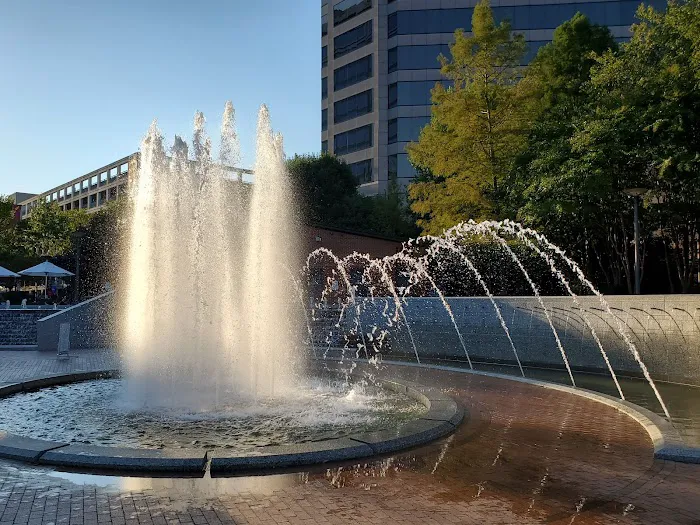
[
  {"x": 645, "y": 127},
  {"x": 544, "y": 189},
  {"x": 478, "y": 125}
]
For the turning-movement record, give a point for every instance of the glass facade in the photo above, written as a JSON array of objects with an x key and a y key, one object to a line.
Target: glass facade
[
  {"x": 417, "y": 57},
  {"x": 522, "y": 17},
  {"x": 362, "y": 171},
  {"x": 406, "y": 129},
  {"x": 352, "y": 73},
  {"x": 324, "y": 120},
  {"x": 351, "y": 40},
  {"x": 353, "y": 106},
  {"x": 353, "y": 140},
  {"x": 347, "y": 9},
  {"x": 324, "y": 88},
  {"x": 324, "y": 56},
  {"x": 412, "y": 93}
]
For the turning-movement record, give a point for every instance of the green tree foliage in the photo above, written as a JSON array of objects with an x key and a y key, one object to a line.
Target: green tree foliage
[
  {"x": 477, "y": 127},
  {"x": 545, "y": 191},
  {"x": 7, "y": 223},
  {"x": 48, "y": 230},
  {"x": 328, "y": 197}
]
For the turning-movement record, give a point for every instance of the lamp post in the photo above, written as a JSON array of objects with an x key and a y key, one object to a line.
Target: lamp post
[{"x": 636, "y": 194}]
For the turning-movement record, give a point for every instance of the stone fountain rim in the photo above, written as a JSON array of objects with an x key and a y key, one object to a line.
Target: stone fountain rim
[{"x": 444, "y": 415}]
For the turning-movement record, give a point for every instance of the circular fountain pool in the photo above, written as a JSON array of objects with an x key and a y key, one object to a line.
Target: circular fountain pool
[{"x": 99, "y": 412}]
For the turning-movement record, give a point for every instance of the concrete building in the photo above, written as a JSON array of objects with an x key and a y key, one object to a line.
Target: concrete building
[
  {"x": 88, "y": 192},
  {"x": 93, "y": 190},
  {"x": 379, "y": 63}
]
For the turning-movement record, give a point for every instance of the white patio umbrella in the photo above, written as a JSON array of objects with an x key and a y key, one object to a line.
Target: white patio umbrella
[
  {"x": 4, "y": 272},
  {"x": 46, "y": 270}
]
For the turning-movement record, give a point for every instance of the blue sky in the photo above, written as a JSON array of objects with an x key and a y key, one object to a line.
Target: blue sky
[{"x": 82, "y": 79}]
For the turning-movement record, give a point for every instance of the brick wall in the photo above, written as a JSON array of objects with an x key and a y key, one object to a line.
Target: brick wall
[
  {"x": 18, "y": 327},
  {"x": 344, "y": 243}
]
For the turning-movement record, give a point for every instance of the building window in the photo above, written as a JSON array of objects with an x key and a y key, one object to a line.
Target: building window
[
  {"x": 102, "y": 197},
  {"x": 351, "y": 40},
  {"x": 392, "y": 171},
  {"x": 48, "y": 198},
  {"x": 84, "y": 203},
  {"x": 522, "y": 17},
  {"x": 103, "y": 177},
  {"x": 324, "y": 56},
  {"x": 413, "y": 93},
  {"x": 68, "y": 206},
  {"x": 324, "y": 88},
  {"x": 392, "y": 22},
  {"x": 76, "y": 187},
  {"x": 324, "y": 120},
  {"x": 416, "y": 57},
  {"x": 393, "y": 95},
  {"x": 406, "y": 129},
  {"x": 324, "y": 146},
  {"x": 353, "y": 140},
  {"x": 324, "y": 25},
  {"x": 93, "y": 182},
  {"x": 352, "y": 73},
  {"x": 54, "y": 196},
  {"x": 354, "y": 106},
  {"x": 113, "y": 173},
  {"x": 124, "y": 168},
  {"x": 93, "y": 200},
  {"x": 76, "y": 205},
  {"x": 362, "y": 171},
  {"x": 69, "y": 191},
  {"x": 348, "y": 9},
  {"x": 112, "y": 193},
  {"x": 393, "y": 130},
  {"x": 61, "y": 194},
  {"x": 86, "y": 185}
]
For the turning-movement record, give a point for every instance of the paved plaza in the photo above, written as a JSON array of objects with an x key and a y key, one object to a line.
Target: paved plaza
[{"x": 526, "y": 455}]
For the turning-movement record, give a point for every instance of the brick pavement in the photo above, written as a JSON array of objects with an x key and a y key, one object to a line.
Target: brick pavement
[{"x": 528, "y": 455}]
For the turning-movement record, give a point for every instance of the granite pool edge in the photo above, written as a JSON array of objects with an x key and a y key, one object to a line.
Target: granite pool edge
[
  {"x": 442, "y": 418},
  {"x": 668, "y": 443}
]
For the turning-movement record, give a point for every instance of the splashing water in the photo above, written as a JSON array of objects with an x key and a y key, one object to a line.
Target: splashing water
[{"x": 206, "y": 309}]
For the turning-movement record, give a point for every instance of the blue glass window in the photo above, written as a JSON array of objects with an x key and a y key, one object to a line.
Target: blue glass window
[
  {"x": 353, "y": 140},
  {"x": 324, "y": 56},
  {"x": 352, "y": 73},
  {"x": 522, "y": 17},
  {"x": 417, "y": 57},
  {"x": 348, "y": 9},
  {"x": 412, "y": 93},
  {"x": 406, "y": 129},
  {"x": 324, "y": 120},
  {"x": 324, "y": 88},
  {"x": 354, "y": 39},
  {"x": 353, "y": 106},
  {"x": 362, "y": 171}
]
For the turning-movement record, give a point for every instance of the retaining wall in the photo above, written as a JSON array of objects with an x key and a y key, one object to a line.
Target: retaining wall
[
  {"x": 664, "y": 329},
  {"x": 92, "y": 324},
  {"x": 18, "y": 327}
]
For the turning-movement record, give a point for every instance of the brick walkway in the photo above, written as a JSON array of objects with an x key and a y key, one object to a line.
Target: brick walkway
[{"x": 528, "y": 455}]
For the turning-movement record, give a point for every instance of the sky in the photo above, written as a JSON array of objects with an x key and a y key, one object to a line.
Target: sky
[{"x": 81, "y": 80}]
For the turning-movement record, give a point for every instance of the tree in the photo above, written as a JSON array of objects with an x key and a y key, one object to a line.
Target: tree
[
  {"x": 48, "y": 230},
  {"x": 478, "y": 125},
  {"x": 329, "y": 198},
  {"x": 547, "y": 190},
  {"x": 323, "y": 185},
  {"x": 644, "y": 129}
]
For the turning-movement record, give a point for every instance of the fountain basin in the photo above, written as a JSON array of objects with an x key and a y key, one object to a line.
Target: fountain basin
[{"x": 441, "y": 417}]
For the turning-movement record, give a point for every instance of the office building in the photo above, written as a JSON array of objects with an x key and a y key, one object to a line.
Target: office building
[{"x": 379, "y": 63}]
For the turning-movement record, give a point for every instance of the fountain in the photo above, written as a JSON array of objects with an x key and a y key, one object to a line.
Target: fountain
[
  {"x": 221, "y": 317},
  {"x": 204, "y": 284}
]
